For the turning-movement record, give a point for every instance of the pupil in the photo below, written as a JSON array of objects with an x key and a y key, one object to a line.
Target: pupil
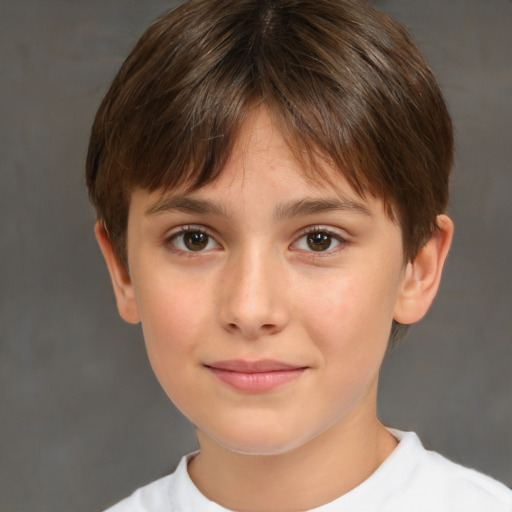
[
  {"x": 319, "y": 241},
  {"x": 195, "y": 241}
]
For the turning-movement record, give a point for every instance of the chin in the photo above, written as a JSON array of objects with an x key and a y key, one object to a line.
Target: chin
[
  {"x": 263, "y": 441},
  {"x": 263, "y": 448}
]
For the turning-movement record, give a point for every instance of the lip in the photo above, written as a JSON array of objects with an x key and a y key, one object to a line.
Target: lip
[{"x": 255, "y": 376}]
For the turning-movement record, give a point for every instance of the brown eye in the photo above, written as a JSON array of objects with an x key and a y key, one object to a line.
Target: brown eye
[
  {"x": 319, "y": 241},
  {"x": 195, "y": 240}
]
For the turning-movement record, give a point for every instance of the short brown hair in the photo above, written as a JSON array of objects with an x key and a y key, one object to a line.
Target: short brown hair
[{"x": 342, "y": 81}]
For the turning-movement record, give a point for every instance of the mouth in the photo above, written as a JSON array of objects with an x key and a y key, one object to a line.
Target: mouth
[{"x": 255, "y": 376}]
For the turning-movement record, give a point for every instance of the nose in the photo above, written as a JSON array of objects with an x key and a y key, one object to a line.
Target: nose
[{"x": 253, "y": 292}]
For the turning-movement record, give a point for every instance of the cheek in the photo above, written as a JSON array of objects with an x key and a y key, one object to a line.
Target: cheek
[
  {"x": 346, "y": 306},
  {"x": 168, "y": 303},
  {"x": 172, "y": 320},
  {"x": 349, "y": 320}
]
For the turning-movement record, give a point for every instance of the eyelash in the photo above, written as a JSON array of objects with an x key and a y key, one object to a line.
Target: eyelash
[
  {"x": 201, "y": 230},
  {"x": 324, "y": 231},
  {"x": 169, "y": 240}
]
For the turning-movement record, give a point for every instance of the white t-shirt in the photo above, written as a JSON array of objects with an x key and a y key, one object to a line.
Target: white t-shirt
[{"x": 411, "y": 479}]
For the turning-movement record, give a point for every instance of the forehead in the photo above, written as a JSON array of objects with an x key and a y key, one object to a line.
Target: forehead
[
  {"x": 261, "y": 151},
  {"x": 260, "y": 142},
  {"x": 263, "y": 173}
]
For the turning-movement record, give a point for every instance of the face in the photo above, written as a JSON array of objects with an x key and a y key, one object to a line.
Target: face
[{"x": 266, "y": 300}]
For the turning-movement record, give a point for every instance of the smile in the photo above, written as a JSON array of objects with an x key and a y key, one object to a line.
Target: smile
[{"x": 256, "y": 376}]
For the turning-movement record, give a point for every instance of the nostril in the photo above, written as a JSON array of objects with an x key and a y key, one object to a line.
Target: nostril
[{"x": 249, "y": 331}]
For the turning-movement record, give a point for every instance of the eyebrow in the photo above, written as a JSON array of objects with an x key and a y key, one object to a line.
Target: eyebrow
[
  {"x": 187, "y": 205},
  {"x": 283, "y": 211},
  {"x": 312, "y": 206}
]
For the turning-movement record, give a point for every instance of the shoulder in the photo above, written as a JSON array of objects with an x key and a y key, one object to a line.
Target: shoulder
[
  {"x": 445, "y": 485},
  {"x": 153, "y": 497},
  {"x": 172, "y": 493}
]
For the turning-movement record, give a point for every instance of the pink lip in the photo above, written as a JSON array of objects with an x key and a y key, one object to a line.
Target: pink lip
[{"x": 255, "y": 376}]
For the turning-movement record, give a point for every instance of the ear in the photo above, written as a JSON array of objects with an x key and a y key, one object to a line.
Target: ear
[
  {"x": 121, "y": 281},
  {"x": 422, "y": 275}
]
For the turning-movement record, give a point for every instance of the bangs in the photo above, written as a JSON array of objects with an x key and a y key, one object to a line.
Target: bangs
[{"x": 343, "y": 83}]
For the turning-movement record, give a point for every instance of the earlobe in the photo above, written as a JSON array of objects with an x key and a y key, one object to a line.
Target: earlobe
[
  {"x": 121, "y": 281},
  {"x": 422, "y": 276}
]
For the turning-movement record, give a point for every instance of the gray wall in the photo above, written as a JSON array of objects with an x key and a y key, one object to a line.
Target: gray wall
[{"x": 83, "y": 421}]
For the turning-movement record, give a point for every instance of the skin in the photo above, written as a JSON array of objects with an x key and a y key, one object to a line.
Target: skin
[{"x": 257, "y": 288}]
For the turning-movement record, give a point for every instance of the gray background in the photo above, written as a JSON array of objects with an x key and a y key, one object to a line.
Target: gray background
[{"x": 83, "y": 420}]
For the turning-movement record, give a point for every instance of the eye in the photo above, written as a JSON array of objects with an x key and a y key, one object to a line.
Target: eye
[
  {"x": 318, "y": 241},
  {"x": 191, "y": 239}
]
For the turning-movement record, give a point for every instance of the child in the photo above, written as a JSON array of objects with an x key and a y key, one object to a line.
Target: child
[{"x": 270, "y": 179}]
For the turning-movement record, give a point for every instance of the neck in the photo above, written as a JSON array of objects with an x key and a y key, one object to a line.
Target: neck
[{"x": 311, "y": 475}]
